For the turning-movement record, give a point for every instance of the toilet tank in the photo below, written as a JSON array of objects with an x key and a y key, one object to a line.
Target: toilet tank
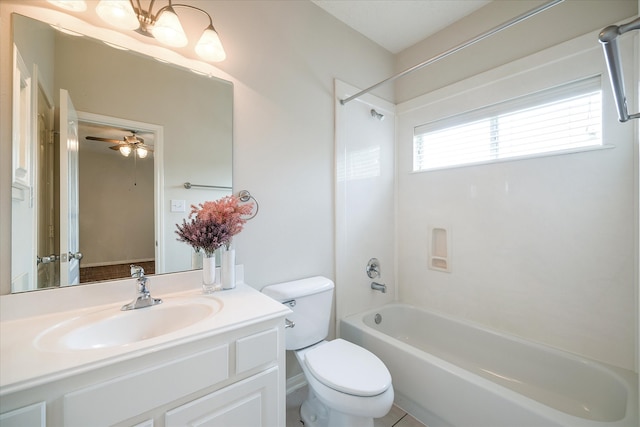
[{"x": 310, "y": 300}]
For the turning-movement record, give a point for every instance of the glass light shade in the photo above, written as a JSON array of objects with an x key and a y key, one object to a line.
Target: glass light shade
[
  {"x": 209, "y": 46},
  {"x": 118, "y": 13},
  {"x": 168, "y": 30},
  {"x": 72, "y": 5},
  {"x": 141, "y": 152},
  {"x": 125, "y": 150}
]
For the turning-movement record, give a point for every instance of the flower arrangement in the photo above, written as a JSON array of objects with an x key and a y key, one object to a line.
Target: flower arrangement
[{"x": 213, "y": 224}]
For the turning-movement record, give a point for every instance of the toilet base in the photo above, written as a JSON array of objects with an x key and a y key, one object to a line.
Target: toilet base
[{"x": 316, "y": 414}]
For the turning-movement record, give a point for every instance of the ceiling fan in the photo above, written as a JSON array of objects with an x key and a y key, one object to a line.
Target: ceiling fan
[{"x": 126, "y": 145}]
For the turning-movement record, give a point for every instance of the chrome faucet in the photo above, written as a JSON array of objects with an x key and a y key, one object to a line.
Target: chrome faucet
[
  {"x": 379, "y": 287},
  {"x": 144, "y": 298}
]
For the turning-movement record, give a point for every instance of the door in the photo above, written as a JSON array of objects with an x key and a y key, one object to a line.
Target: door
[
  {"x": 69, "y": 224},
  {"x": 47, "y": 231}
]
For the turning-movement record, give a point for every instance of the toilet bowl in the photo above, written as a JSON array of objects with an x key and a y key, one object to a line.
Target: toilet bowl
[{"x": 348, "y": 385}]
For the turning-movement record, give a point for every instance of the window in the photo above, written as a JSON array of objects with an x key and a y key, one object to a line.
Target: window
[{"x": 560, "y": 119}]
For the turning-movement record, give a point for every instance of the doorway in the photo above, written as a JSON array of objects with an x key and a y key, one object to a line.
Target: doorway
[{"x": 119, "y": 196}]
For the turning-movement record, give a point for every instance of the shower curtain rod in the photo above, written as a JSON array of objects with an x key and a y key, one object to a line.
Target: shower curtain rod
[
  {"x": 608, "y": 38},
  {"x": 456, "y": 48}
]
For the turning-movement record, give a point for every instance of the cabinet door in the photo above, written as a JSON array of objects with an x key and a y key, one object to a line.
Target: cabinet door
[
  {"x": 248, "y": 403},
  {"x": 32, "y": 415},
  {"x": 141, "y": 391}
]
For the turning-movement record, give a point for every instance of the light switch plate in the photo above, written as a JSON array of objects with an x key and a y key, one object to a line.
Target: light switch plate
[{"x": 178, "y": 206}]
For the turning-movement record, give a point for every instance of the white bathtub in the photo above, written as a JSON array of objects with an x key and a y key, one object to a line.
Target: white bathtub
[{"x": 448, "y": 372}]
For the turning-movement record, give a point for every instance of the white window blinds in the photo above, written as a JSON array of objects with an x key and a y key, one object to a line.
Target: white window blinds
[{"x": 559, "y": 119}]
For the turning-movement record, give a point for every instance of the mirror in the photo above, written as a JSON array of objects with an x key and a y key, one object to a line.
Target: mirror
[{"x": 128, "y": 206}]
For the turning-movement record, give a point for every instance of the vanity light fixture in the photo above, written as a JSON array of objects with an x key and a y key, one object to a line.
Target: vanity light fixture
[{"x": 164, "y": 25}]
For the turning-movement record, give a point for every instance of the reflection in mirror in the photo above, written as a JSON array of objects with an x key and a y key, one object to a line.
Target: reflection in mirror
[
  {"x": 116, "y": 226},
  {"x": 128, "y": 206}
]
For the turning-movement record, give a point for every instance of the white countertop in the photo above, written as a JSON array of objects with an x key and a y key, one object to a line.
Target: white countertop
[{"x": 23, "y": 364}]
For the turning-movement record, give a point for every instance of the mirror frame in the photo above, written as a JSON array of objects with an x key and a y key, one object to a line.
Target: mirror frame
[{"x": 60, "y": 18}]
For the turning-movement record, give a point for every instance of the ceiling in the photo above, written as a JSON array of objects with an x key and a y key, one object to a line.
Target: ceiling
[{"x": 398, "y": 24}]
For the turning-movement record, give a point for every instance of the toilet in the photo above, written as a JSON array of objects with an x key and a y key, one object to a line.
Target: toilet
[{"x": 348, "y": 385}]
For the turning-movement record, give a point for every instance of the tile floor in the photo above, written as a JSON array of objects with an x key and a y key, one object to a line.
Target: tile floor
[{"x": 395, "y": 418}]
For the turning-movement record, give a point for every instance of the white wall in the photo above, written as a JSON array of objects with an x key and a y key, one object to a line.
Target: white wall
[
  {"x": 564, "y": 21},
  {"x": 365, "y": 200},
  {"x": 116, "y": 206},
  {"x": 283, "y": 57},
  {"x": 36, "y": 48},
  {"x": 286, "y": 55},
  {"x": 542, "y": 247}
]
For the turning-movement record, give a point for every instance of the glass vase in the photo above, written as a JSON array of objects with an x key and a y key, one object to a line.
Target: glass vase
[
  {"x": 208, "y": 274},
  {"x": 228, "y": 268}
]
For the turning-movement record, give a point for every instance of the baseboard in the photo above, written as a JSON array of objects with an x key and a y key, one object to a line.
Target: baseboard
[{"x": 296, "y": 382}]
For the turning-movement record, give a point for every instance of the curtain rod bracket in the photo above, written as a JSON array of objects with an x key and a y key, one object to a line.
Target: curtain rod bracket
[{"x": 608, "y": 37}]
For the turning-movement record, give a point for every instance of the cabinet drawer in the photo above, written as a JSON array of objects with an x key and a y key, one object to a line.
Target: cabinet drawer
[
  {"x": 256, "y": 350},
  {"x": 132, "y": 394}
]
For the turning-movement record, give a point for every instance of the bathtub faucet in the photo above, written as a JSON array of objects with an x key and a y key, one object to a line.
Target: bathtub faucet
[{"x": 379, "y": 287}]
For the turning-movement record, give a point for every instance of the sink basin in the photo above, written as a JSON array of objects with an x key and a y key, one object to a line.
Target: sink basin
[{"x": 110, "y": 327}]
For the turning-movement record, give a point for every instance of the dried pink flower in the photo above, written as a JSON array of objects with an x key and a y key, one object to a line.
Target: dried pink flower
[{"x": 213, "y": 224}]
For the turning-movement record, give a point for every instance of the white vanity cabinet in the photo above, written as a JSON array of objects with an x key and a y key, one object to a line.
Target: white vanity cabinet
[
  {"x": 233, "y": 378},
  {"x": 227, "y": 370}
]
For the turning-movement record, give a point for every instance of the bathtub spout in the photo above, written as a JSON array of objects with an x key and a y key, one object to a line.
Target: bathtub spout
[{"x": 379, "y": 287}]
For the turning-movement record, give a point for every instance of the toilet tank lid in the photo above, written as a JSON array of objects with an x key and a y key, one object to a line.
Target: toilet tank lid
[{"x": 298, "y": 288}]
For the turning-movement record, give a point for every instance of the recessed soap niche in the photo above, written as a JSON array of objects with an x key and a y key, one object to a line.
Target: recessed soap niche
[{"x": 439, "y": 256}]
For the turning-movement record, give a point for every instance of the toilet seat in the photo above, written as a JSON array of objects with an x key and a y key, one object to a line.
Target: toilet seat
[{"x": 348, "y": 368}]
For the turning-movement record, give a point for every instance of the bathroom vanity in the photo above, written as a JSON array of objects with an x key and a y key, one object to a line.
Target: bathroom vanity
[{"x": 216, "y": 359}]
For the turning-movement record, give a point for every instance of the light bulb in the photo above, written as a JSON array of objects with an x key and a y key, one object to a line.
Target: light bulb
[
  {"x": 125, "y": 150},
  {"x": 141, "y": 152},
  {"x": 118, "y": 13},
  {"x": 209, "y": 46},
  {"x": 72, "y": 5},
  {"x": 168, "y": 30}
]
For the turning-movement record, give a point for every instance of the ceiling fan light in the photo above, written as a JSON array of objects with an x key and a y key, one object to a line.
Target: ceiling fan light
[
  {"x": 168, "y": 30},
  {"x": 209, "y": 47},
  {"x": 72, "y": 5},
  {"x": 141, "y": 152},
  {"x": 125, "y": 150},
  {"x": 118, "y": 13}
]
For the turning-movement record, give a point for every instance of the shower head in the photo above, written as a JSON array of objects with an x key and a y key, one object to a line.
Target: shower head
[{"x": 377, "y": 115}]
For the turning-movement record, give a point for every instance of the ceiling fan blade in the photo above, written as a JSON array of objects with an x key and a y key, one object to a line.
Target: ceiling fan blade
[
  {"x": 97, "y": 138},
  {"x": 115, "y": 147}
]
